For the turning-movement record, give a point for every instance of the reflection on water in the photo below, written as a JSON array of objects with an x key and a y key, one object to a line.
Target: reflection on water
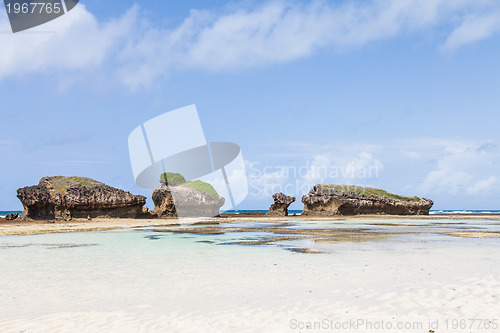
[
  {"x": 44, "y": 245},
  {"x": 153, "y": 237},
  {"x": 324, "y": 236},
  {"x": 297, "y": 236}
]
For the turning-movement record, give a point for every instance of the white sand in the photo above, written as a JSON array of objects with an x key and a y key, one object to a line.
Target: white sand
[
  {"x": 128, "y": 285},
  {"x": 41, "y": 227}
]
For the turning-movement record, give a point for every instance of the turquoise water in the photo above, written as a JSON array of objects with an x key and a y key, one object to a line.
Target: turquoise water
[
  {"x": 5, "y": 212},
  {"x": 146, "y": 279},
  {"x": 145, "y": 243},
  {"x": 397, "y": 230},
  {"x": 146, "y": 240}
]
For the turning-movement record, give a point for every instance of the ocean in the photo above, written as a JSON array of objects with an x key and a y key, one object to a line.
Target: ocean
[
  {"x": 297, "y": 212},
  {"x": 5, "y": 212}
]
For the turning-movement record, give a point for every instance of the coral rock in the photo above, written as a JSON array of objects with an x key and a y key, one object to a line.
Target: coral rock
[
  {"x": 328, "y": 200},
  {"x": 64, "y": 198},
  {"x": 176, "y": 197},
  {"x": 280, "y": 205},
  {"x": 11, "y": 216}
]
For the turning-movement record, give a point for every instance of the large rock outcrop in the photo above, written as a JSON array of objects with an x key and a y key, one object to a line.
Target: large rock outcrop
[
  {"x": 280, "y": 205},
  {"x": 176, "y": 197},
  {"x": 64, "y": 198},
  {"x": 328, "y": 200}
]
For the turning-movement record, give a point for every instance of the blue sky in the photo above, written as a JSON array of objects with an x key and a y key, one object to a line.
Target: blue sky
[{"x": 406, "y": 88}]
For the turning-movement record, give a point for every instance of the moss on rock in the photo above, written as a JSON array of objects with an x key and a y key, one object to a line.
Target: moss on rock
[
  {"x": 176, "y": 179},
  {"x": 61, "y": 184},
  {"x": 203, "y": 187},
  {"x": 369, "y": 191},
  {"x": 172, "y": 178}
]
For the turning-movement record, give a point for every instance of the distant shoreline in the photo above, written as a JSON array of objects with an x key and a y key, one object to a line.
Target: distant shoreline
[
  {"x": 293, "y": 212},
  {"x": 8, "y": 228}
]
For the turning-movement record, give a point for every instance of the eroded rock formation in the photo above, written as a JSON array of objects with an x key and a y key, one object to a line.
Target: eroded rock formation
[
  {"x": 64, "y": 198},
  {"x": 164, "y": 203},
  {"x": 176, "y": 197},
  {"x": 280, "y": 205},
  {"x": 328, "y": 200}
]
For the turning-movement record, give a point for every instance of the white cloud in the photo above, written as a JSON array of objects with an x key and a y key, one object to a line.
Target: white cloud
[
  {"x": 430, "y": 167},
  {"x": 271, "y": 33},
  {"x": 349, "y": 168},
  {"x": 464, "y": 168},
  {"x": 74, "y": 41},
  {"x": 473, "y": 28},
  {"x": 242, "y": 37},
  {"x": 340, "y": 167}
]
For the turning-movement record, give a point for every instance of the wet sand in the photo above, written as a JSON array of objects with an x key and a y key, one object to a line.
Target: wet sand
[{"x": 40, "y": 227}]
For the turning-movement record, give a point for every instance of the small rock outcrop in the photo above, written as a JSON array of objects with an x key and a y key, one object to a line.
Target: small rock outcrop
[
  {"x": 64, "y": 198},
  {"x": 11, "y": 216},
  {"x": 329, "y": 200},
  {"x": 164, "y": 202},
  {"x": 176, "y": 197},
  {"x": 280, "y": 205}
]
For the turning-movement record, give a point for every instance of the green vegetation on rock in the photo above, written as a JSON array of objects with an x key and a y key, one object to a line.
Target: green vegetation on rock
[
  {"x": 62, "y": 184},
  {"x": 176, "y": 179},
  {"x": 173, "y": 178},
  {"x": 203, "y": 187},
  {"x": 368, "y": 191}
]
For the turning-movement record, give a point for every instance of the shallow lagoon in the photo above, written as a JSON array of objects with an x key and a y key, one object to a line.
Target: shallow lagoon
[{"x": 141, "y": 279}]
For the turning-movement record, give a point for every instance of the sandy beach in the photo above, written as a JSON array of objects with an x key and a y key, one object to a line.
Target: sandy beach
[
  {"x": 41, "y": 227},
  {"x": 79, "y": 225},
  {"x": 385, "y": 274}
]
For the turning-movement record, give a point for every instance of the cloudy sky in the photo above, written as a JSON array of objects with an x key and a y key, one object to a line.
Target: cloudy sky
[{"x": 401, "y": 95}]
